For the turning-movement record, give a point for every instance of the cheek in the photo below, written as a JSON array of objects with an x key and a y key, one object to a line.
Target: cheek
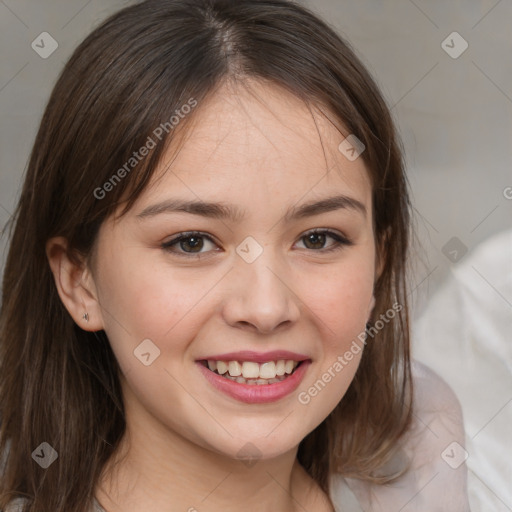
[
  {"x": 142, "y": 301},
  {"x": 149, "y": 297},
  {"x": 340, "y": 306},
  {"x": 341, "y": 299}
]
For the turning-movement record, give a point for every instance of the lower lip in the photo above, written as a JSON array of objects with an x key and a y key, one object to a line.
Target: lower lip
[{"x": 254, "y": 393}]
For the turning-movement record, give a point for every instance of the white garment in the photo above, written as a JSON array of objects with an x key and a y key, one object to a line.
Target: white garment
[
  {"x": 431, "y": 485},
  {"x": 464, "y": 334}
]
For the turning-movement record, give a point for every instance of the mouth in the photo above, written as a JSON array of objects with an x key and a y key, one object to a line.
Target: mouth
[
  {"x": 253, "y": 373},
  {"x": 255, "y": 377}
]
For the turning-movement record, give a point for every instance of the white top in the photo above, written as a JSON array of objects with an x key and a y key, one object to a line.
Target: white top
[
  {"x": 434, "y": 445},
  {"x": 436, "y": 481},
  {"x": 469, "y": 321}
]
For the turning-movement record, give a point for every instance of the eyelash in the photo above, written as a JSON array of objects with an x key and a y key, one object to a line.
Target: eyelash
[{"x": 340, "y": 240}]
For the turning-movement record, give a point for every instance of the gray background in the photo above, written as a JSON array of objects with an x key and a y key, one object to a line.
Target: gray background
[{"x": 454, "y": 115}]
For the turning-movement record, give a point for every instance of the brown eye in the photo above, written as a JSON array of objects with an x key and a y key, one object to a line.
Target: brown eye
[
  {"x": 191, "y": 244},
  {"x": 187, "y": 244},
  {"x": 194, "y": 242},
  {"x": 315, "y": 240}
]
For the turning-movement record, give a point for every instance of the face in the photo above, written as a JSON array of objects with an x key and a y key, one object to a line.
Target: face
[{"x": 256, "y": 288}]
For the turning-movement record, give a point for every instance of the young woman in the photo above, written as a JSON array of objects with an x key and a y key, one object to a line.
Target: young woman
[{"x": 204, "y": 302}]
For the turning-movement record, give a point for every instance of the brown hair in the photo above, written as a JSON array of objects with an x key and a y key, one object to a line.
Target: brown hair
[{"x": 59, "y": 383}]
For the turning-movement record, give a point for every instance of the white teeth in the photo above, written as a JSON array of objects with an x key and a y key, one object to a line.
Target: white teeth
[
  {"x": 253, "y": 382},
  {"x": 280, "y": 367},
  {"x": 268, "y": 370},
  {"x": 222, "y": 367},
  {"x": 234, "y": 368},
  {"x": 250, "y": 370}
]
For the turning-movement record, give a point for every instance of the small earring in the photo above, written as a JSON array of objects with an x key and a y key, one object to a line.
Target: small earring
[{"x": 85, "y": 316}]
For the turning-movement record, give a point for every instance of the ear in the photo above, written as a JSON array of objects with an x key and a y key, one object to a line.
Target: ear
[{"x": 75, "y": 285}]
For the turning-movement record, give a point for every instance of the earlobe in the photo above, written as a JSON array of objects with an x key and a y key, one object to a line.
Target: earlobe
[{"x": 75, "y": 285}]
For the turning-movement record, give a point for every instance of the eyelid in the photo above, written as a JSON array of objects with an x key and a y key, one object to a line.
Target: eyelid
[
  {"x": 337, "y": 235},
  {"x": 340, "y": 239},
  {"x": 183, "y": 236}
]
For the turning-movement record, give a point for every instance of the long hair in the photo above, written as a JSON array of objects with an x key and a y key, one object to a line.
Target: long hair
[{"x": 60, "y": 384}]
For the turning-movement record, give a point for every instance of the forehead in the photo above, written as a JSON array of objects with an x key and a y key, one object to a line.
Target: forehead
[{"x": 256, "y": 141}]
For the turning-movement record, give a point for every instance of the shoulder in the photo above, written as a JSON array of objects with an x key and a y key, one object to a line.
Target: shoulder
[
  {"x": 434, "y": 449},
  {"x": 436, "y": 408},
  {"x": 437, "y": 425}
]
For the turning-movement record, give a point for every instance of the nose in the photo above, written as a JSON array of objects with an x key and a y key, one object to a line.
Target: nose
[{"x": 260, "y": 297}]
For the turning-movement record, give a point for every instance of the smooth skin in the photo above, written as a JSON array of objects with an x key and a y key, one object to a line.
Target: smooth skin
[{"x": 259, "y": 149}]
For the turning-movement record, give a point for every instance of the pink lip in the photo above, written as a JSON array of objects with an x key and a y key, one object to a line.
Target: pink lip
[
  {"x": 256, "y": 357},
  {"x": 256, "y": 394}
]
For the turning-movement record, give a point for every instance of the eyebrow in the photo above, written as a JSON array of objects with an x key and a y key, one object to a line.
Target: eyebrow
[{"x": 235, "y": 214}]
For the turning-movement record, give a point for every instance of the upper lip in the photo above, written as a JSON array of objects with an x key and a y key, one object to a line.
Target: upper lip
[{"x": 257, "y": 357}]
